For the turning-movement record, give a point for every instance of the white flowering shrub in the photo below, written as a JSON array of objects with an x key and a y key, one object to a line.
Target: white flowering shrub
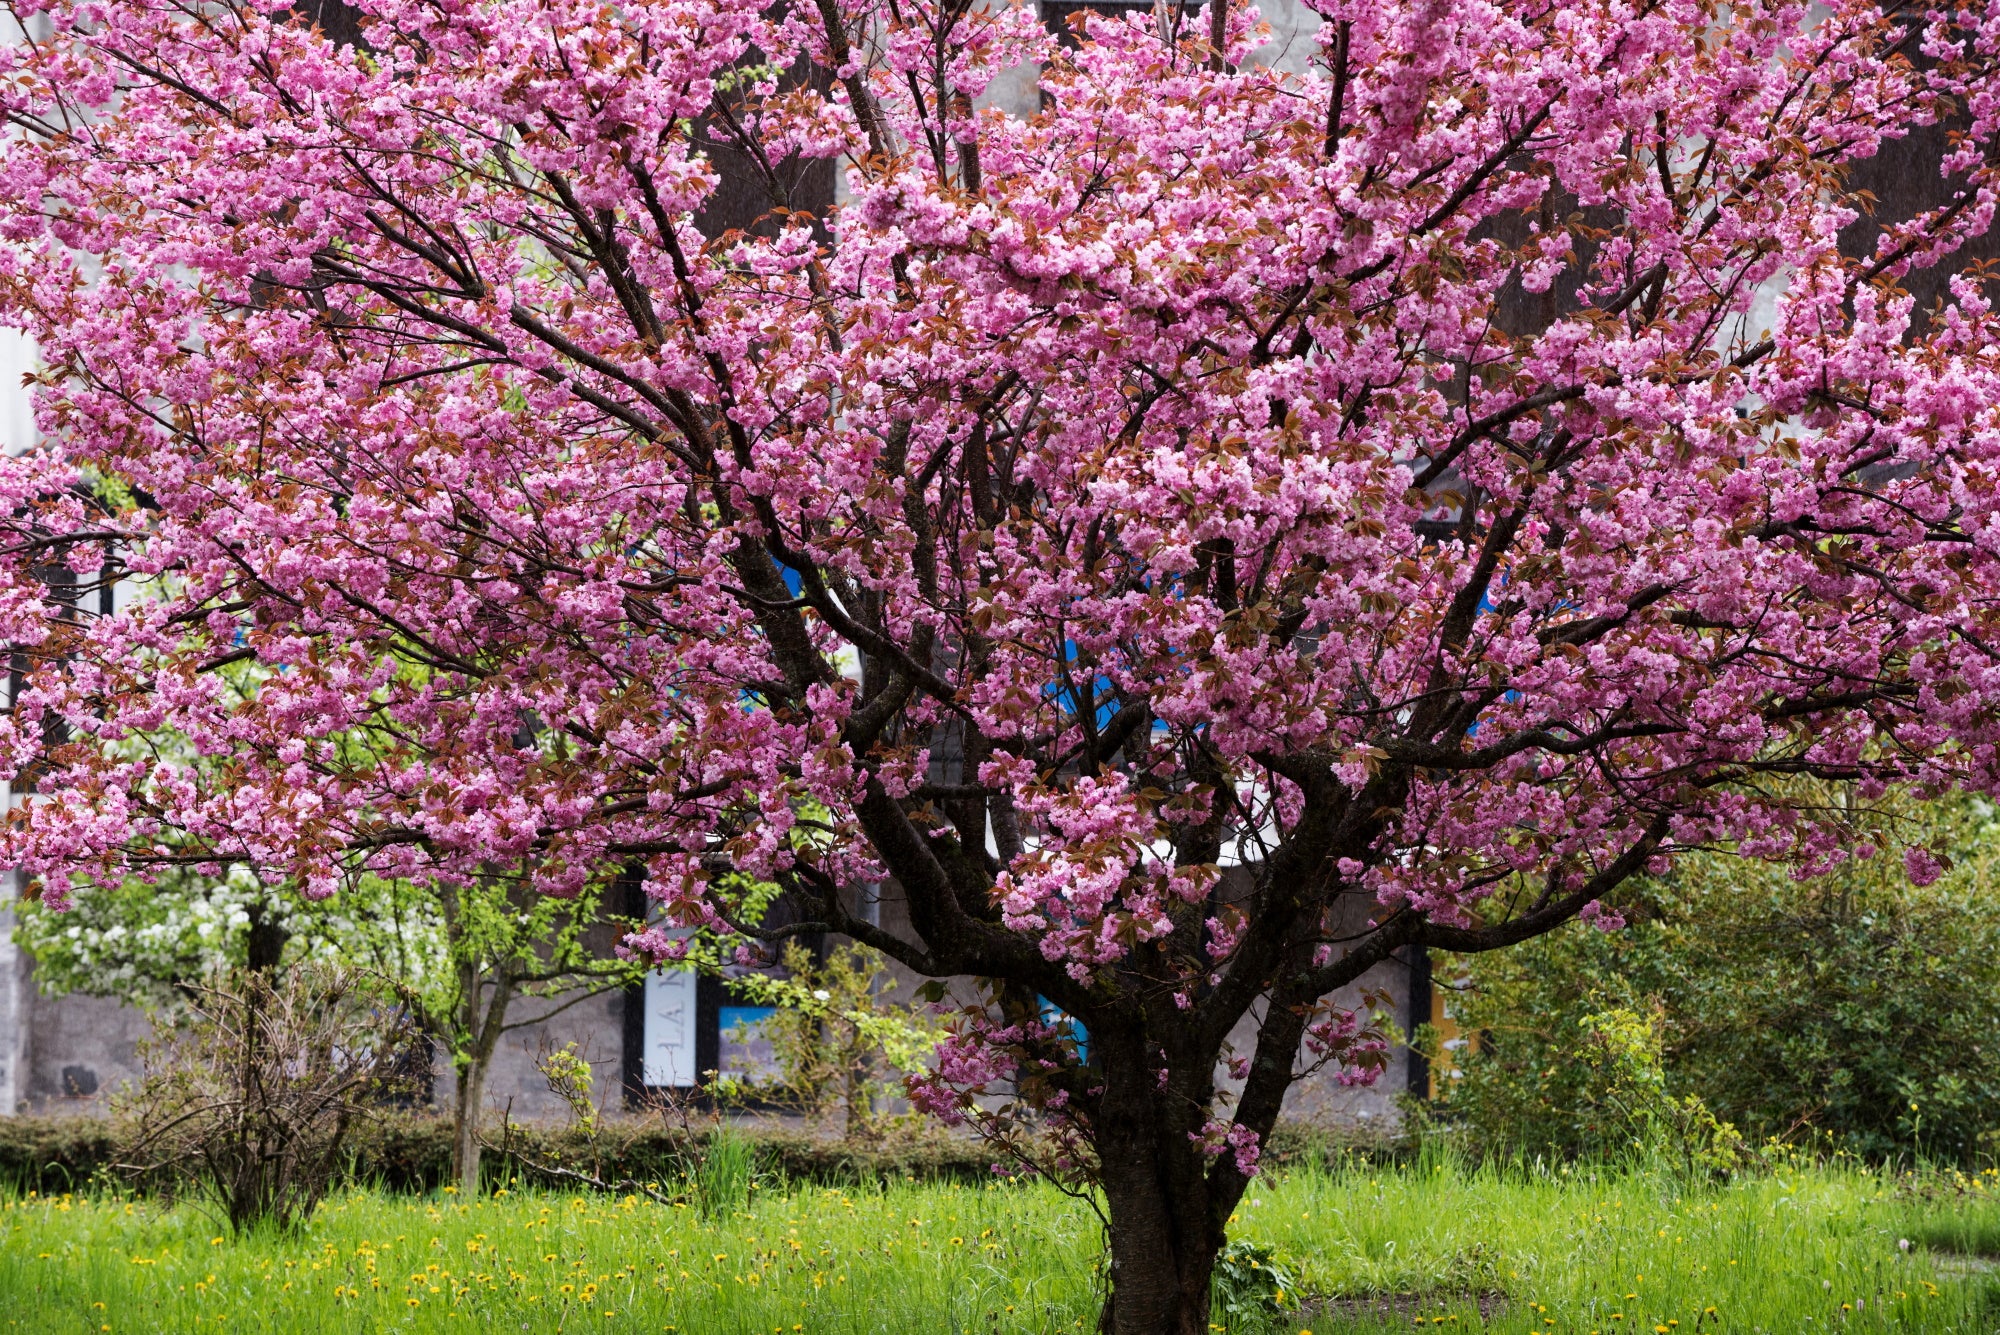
[{"x": 149, "y": 942}]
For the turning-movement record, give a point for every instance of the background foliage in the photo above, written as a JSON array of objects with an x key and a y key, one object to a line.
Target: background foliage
[
  {"x": 840, "y": 1044},
  {"x": 1855, "y": 1006},
  {"x": 144, "y": 941}
]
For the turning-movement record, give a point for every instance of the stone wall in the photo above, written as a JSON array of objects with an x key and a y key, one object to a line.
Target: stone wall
[{"x": 66, "y": 1054}]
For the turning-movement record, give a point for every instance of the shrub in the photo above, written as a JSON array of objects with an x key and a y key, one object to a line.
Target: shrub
[
  {"x": 1856, "y": 1006},
  {"x": 1621, "y": 1048},
  {"x": 840, "y": 1045},
  {"x": 250, "y": 1091}
]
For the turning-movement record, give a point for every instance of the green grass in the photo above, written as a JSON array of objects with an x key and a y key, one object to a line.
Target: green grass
[
  {"x": 1556, "y": 1253},
  {"x": 1958, "y": 1214}
]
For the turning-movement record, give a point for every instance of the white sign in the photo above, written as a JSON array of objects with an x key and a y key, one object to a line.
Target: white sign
[{"x": 669, "y": 1052}]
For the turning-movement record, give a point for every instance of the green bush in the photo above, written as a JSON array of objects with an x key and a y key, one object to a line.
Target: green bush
[
  {"x": 405, "y": 1152},
  {"x": 840, "y": 1045},
  {"x": 1855, "y": 1008},
  {"x": 53, "y": 1154}
]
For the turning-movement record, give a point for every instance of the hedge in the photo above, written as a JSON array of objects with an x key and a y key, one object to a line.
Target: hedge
[
  {"x": 406, "y": 1152},
  {"x": 412, "y": 1153},
  {"x": 54, "y": 1153}
]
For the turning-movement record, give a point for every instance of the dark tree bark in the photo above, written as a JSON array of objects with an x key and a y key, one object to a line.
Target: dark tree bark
[
  {"x": 265, "y": 948},
  {"x": 1164, "y": 1237}
]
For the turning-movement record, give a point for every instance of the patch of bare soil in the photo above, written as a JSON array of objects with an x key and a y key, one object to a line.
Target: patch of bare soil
[
  {"x": 1961, "y": 1264},
  {"x": 1440, "y": 1310}
]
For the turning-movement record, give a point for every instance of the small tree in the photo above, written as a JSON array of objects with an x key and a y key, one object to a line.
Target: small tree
[
  {"x": 504, "y": 945},
  {"x": 1446, "y": 480},
  {"x": 838, "y": 1041}
]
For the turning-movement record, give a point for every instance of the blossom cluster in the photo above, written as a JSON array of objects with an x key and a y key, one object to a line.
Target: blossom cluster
[{"x": 1193, "y": 540}]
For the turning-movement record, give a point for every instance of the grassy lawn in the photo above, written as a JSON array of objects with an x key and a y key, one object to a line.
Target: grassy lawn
[{"x": 1566, "y": 1253}]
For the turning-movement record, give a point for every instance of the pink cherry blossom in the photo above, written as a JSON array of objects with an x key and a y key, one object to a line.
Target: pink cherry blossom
[{"x": 1195, "y": 540}]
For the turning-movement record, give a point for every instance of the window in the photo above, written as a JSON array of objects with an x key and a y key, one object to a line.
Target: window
[{"x": 1057, "y": 14}]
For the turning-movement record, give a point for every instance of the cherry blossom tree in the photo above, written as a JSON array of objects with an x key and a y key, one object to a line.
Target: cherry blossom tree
[{"x": 1445, "y": 480}]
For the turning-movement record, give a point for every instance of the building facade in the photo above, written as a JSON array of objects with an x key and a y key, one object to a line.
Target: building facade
[{"x": 65, "y": 1055}]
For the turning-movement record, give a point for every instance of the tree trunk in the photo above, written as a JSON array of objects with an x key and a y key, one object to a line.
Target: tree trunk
[
  {"x": 1164, "y": 1236},
  {"x": 482, "y": 1028},
  {"x": 254, "y": 1191},
  {"x": 265, "y": 948},
  {"x": 465, "y": 1125},
  {"x": 479, "y": 1021}
]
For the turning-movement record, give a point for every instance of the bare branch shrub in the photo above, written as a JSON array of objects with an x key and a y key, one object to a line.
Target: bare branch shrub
[{"x": 251, "y": 1089}]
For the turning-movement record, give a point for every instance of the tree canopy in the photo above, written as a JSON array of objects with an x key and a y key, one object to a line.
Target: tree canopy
[{"x": 1444, "y": 480}]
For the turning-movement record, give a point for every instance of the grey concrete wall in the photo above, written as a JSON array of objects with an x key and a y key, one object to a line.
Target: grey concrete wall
[
  {"x": 15, "y": 989},
  {"x": 515, "y": 1088},
  {"x": 62, "y": 1054},
  {"x": 65, "y": 1055},
  {"x": 80, "y": 1050}
]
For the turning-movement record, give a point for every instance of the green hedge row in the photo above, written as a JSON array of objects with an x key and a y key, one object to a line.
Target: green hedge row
[
  {"x": 412, "y": 1153},
  {"x": 53, "y": 1153}
]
